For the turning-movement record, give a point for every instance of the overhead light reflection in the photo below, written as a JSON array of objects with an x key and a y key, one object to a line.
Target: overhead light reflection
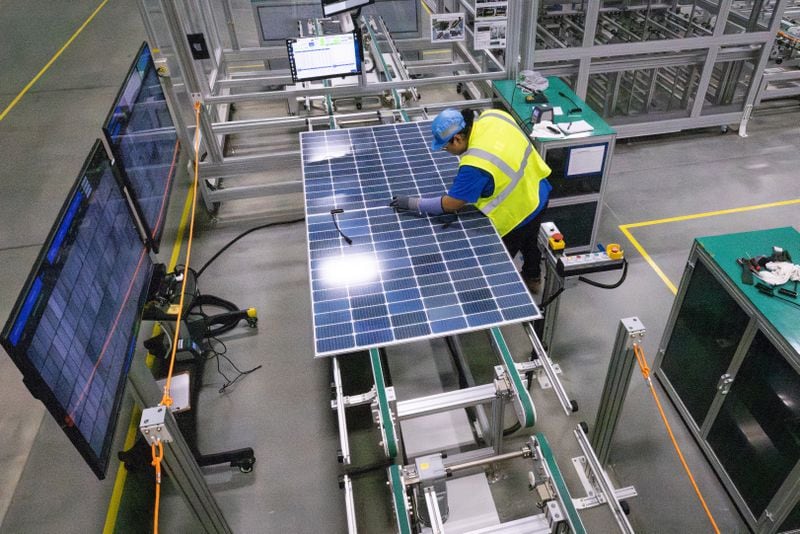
[
  {"x": 350, "y": 270},
  {"x": 323, "y": 153}
]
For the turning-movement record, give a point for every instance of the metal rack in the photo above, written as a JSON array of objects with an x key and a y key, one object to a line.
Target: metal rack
[
  {"x": 236, "y": 77},
  {"x": 653, "y": 67},
  {"x": 781, "y": 77}
]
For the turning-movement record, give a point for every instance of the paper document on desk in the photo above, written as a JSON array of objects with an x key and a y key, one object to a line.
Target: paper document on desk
[
  {"x": 575, "y": 127},
  {"x": 546, "y": 129}
]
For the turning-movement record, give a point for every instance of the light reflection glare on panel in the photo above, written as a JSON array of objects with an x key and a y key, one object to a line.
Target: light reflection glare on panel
[
  {"x": 324, "y": 153},
  {"x": 350, "y": 270}
]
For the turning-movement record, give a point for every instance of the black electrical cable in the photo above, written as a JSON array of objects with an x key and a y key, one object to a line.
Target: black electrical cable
[
  {"x": 553, "y": 297},
  {"x": 336, "y": 224},
  {"x": 217, "y": 328},
  {"x": 609, "y": 286},
  {"x": 216, "y": 354},
  {"x": 367, "y": 469},
  {"x": 576, "y": 109},
  {"x": 238, "y": 237}
]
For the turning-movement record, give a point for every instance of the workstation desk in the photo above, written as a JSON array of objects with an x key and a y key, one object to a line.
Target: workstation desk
[
  {"x": 580, "y": 162},
  {"x": 730, "y": 361}
]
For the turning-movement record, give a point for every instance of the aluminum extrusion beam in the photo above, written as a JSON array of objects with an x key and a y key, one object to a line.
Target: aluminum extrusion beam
[
  {"x": 179, "y": 460},
  {"x": 348, "y": 91},
  {"x": 650, "y": 47},
  {"x": 341, "y": 415},
  {"x": 445, "y": 402},
  {"x": 547, "y": 366},
  {"x": 349, "y": 504},
  {"x": 615, "y": 389},
  {"x": 605, "y": 483}
]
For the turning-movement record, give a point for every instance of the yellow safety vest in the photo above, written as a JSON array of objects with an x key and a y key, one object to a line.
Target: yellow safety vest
[{"x": 498, "y": 146}]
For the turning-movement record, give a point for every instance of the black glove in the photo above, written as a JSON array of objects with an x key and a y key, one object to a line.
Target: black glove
[{"x": 405, "y": 202}]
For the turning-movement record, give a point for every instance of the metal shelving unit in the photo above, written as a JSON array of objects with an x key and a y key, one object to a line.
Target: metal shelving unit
[{"x": 657, "y": 67}]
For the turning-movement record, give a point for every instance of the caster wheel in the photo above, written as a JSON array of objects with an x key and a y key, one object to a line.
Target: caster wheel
[
  {"x": 584, "y": 427},
  {"x": 574, "y": 405},
  {"x": 247, "y": 465},
  {"x": 723, "y": 129},
  {"x": 626, "y": 508}
]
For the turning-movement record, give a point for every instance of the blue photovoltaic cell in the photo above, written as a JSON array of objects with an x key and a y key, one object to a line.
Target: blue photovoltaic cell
[
  {"x": 404, "y": 277},
  {"x": 143, "y": 138},
  {"x": 73, "y": 334}
]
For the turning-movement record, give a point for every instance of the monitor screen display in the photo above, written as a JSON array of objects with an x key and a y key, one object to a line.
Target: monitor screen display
[
  {"x": 333, "y": 7},
  {"x": 73, "y": 328},
  {"x": 325, "y": 56},
  {"x": 143, "y": 140}
]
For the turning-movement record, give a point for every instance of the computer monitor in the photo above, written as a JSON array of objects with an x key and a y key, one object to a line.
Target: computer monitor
[
  {"x": 334, "y": 7},
  {"x": 73, "y": 328},
  {"x": 324, "y": 56},
  {"x": 144, "y": 143}
]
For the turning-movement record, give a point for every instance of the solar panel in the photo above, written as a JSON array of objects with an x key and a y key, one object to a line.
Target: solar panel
[
  {"x": 144, "y": 143},
  {"x": 72, "y": 331},
  {"x": 404, "y": 277}
]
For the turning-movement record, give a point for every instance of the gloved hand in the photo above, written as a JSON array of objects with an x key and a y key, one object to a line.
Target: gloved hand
[{"x": 405, "y": 202}]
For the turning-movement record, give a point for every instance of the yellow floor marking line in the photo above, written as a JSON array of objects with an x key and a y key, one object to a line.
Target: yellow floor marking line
[
  {"x": 122, "y": 473},
  {"x": 625, "y": 229},
  {"x": 52, "y": 60},
  {"x": 648, "y": 259},
  {"x": 714, "y": 213}
]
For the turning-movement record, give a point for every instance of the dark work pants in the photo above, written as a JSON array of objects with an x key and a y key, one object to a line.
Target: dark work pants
[{"x": 525, "y": 239}]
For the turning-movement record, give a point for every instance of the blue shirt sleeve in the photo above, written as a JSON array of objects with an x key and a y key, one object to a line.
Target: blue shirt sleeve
[{"x": 470, "y": 184}]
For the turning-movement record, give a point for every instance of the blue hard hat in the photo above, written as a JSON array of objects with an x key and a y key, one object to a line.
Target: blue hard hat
[{"x": 446, "y": 124}]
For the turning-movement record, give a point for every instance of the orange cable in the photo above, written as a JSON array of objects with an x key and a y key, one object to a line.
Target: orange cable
[
  {"x": 166, "y": 400},
  {"x": 157, "y": 464},
  {"x": 637, "y": 350}
]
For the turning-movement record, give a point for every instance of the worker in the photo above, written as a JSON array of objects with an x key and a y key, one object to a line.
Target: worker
[{"x": 500, "y": 173}]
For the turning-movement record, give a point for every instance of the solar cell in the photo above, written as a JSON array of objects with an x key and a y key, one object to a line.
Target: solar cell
[
  {"x": 404, "y": 277},
  {"x": 73, "y": 328}
]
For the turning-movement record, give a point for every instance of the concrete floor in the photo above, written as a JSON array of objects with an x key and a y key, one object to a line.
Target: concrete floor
[{"x": 282, "y": 410}]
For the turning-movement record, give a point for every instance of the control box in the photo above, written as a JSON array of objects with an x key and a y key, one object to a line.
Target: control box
[{"x": 591, "y": 262}]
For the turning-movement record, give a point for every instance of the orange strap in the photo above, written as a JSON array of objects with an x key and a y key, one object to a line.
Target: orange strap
[
  {"x": 637, "y": 350},
  {"x": 157, "y": 457},
  {"x": 166, "y": 400}
]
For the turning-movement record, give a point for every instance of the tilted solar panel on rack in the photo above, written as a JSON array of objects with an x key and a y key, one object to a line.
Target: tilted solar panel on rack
[{"x": 404, "y": 277}]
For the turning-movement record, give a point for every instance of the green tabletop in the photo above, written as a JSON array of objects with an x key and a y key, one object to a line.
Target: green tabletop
[
  {"x": 515, "y": 101},
  {"x": 724, "y": 249}
]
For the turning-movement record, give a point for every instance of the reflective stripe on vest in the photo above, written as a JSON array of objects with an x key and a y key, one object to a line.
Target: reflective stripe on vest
[{"x": 507, "y": 179}]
